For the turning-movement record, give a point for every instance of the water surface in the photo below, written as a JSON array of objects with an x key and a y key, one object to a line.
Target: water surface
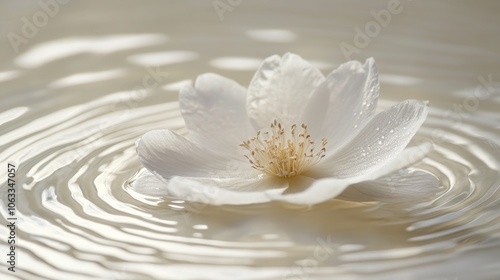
[{"x": 96, "y": 76}]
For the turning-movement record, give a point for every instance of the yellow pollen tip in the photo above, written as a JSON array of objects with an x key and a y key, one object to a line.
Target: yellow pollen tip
[{"x": 282, "y": 156}]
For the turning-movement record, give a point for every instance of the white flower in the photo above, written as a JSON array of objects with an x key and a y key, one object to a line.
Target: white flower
[{"x": 292, "y": 136}]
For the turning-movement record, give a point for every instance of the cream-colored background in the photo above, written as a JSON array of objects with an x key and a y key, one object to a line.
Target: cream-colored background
[{"x": 71, "y": 111}]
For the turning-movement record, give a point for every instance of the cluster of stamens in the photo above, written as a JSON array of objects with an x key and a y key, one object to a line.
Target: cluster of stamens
[{"x": 276, "y": 154}]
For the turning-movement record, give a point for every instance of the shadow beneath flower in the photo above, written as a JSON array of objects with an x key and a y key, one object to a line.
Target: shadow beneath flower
[{"x": 299, "y": 184}]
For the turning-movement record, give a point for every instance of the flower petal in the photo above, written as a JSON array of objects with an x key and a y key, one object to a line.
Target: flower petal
[
  {"x": 149, "y": 184},
  {"x": 400, "y": 185},
  {"x": 309, "y": 191},
  {"x": 343, "y": 103},
  {"x": 279, "y": 90},
  {"x": 406, "y": 158},
  {"x": 382, "y": 138},
  {"x": 168, "y": 154},
  {"x": 215, "y": 113},
  {"x": 238, "y": 190},
  {"x": 229, "y": 191}
]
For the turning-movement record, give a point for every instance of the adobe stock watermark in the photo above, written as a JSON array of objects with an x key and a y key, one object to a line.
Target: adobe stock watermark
[
  {"x": 494, "y": 146},
  {"x": 30, "y": 26},
  {"x": 223, "y": 6},
  {"x": 470, "y": 104},
  {"x": 150, "y": 81},
  {"x": 363, "y": 37},
  {"x": 485, "y": 88},
  {"x": 322, "y": 252},
  {"x": 206, "y": 195}
]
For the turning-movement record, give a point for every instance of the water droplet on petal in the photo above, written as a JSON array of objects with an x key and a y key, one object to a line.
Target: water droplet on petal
[
  {"x": 377, "y": 129},
  {"x": 391, "y": 131}
]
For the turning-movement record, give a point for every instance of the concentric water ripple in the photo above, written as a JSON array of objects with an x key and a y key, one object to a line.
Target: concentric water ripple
[
  {"x": 80, "y": 218},
  {"x": 69, "y": 121}
]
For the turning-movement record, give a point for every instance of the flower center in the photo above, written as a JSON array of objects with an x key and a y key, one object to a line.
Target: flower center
[{"x": 276, "y": 153}]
